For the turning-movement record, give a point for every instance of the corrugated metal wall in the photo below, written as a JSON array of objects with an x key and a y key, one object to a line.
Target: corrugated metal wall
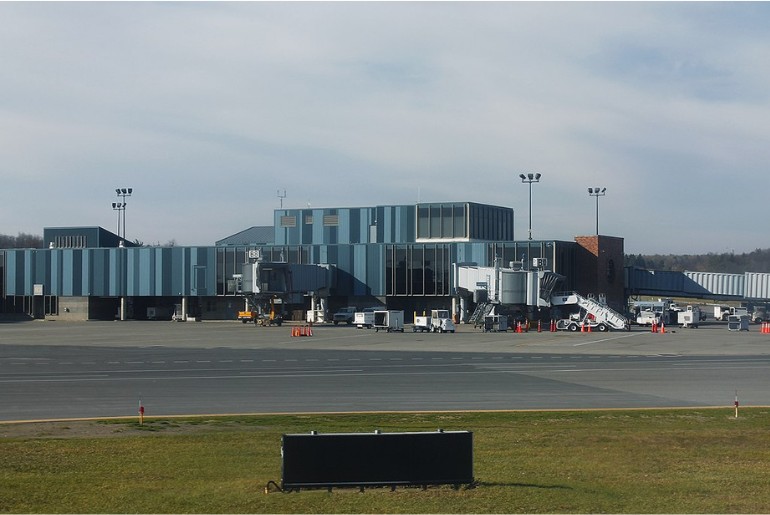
[
  {"x": 749, "y": 285},
  {"x": 757, "y": 286},
  {"x": 730, "y": 285},
  {"x": 144, "y": 271}
]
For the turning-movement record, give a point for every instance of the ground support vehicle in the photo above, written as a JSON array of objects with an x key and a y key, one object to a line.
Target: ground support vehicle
[
  {"x": 263, "y": 312},
  {"x": 389, "y": 321},
  {"x": 421, "y": 324},
  {"x": 267, "y": 319},
  {"x": 690, "y": 317},
  {"x": 738, "y": 323},
  {"x": 364, "y": 319},
  {"x": 345, "y": 315},
  {"x": 579, "y": 323},
  {"x": 441, "y": 322},
  {"x": 721, "y": 312},
  {"x": 759, "y": 315},
  {"x": 648, "y": 318},
  {"x": 593, "y": 315},
  {"x": 247, "y": 316},
  {"x": 495, "y": 323}
]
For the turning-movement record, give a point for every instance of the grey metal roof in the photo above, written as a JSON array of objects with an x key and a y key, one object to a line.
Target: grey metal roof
[{"x": 256, "y": 235}]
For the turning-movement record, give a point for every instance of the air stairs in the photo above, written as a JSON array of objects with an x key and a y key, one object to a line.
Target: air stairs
[
  {"x": 482, "y": 310},
  {"x": 602, "y": 313}
]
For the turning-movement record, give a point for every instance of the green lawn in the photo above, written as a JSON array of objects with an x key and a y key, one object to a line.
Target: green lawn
[{"x": 678, "y": 461}]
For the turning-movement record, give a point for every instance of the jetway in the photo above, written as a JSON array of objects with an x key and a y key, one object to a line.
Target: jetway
[
  {"x": 264, "y": 283},
  {"x": 506, "y": 285},
  {"x": 495, "y": 290}
]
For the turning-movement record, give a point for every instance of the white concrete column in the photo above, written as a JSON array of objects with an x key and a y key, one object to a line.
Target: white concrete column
[
  {"x": 184, "y": 308},
  {"x": 122, "y": 308}
]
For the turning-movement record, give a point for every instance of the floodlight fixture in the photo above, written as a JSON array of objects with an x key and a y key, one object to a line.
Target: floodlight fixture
[
  {"x": 597, "y": 192},
  {"x": 529, "y": 179}
]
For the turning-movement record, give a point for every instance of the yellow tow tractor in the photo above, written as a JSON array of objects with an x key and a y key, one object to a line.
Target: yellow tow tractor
[{"x": 262, "y": 319}]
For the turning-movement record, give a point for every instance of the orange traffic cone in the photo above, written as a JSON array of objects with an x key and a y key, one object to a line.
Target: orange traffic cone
[
  {"x": 662, "y": 327},
  {"x": 310, "y": 331},
  {"x": 588, "y": 327},
  {"x": 654, "y": 326},
  {"x": 539, "y": 329}
]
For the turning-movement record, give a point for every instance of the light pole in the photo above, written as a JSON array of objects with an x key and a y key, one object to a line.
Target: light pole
[
  {"x": 118, "y": 206},
  {"x": 529, "y": 179},
  {"x": 596, "y": 192},
  {"x": 123, "y": 192}
]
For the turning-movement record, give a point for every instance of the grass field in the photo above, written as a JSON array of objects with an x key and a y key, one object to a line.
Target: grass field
[{"x": 677, "y": 461}]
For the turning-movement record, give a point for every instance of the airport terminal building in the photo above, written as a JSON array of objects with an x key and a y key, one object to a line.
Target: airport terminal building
[{"x": 400, "y": 256}]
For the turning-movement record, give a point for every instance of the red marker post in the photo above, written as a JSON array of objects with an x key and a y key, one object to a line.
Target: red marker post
[
  {"x": 736, "y": 404},
  {"x": 141, "y": 413}
]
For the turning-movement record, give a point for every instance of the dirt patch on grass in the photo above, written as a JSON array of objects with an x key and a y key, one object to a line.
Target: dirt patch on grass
[{"x": 101, "y": 429}]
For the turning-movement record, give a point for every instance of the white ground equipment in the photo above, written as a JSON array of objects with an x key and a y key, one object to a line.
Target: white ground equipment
[
  {"x": 364, "y": 319},
  {"x": 690, "y": 317},
  {"x": 738, "y": 323},
  {"x": 598, "y": 317},
  {"x": 439, "y": 321},
  {"x": 389, "y": 321}
]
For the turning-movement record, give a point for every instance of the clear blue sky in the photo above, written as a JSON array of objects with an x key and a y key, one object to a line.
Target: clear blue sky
[{"x": 207, "y": 110}]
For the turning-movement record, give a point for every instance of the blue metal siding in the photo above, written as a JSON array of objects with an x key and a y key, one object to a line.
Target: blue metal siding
[
  {"x": 360, "y": 262},
  {"x": 113, "y": 272}
]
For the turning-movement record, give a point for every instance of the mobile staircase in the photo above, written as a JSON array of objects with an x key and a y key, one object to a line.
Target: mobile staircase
[
  {"x": 482, "y": 310},
  {"x": 602, "y": 316}
]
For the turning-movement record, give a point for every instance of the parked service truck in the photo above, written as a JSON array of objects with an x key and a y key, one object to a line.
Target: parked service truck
[
  {"x": 721, "y": 312},
  {"x": 648, "y": 318},
  {"x": 724, "y": 312},
  {"x": 344, "y": 315}
]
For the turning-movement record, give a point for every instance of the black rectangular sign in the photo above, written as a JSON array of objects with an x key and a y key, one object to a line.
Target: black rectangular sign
[{"x": 376, "y": 459}]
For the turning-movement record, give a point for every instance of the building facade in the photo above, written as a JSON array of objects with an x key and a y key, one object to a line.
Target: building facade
[{"x": 400, "y": 256}]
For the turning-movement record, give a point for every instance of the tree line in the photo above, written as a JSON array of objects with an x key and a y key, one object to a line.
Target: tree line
[
  {"x": 725, "y": 263},
  {"x": 21, "y": 241}
]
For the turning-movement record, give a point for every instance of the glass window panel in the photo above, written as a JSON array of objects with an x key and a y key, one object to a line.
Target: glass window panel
[
  {"x": 423, "y": 222},
  {"x": 459, "y": 221},
  {"x": 430, "y": 263},
  {"x": 401, "y": 280},
  {"x": 417, "y": 270},
  {"x": 435, "y": 221},
  {"x": 447, "y": 224}
]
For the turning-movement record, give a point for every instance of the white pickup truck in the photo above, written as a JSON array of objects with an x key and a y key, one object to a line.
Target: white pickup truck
[{"x": 344, "y": 315}]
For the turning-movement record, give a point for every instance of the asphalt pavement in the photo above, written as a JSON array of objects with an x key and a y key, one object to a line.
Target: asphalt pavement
[{"x": 58, "y": 370}]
